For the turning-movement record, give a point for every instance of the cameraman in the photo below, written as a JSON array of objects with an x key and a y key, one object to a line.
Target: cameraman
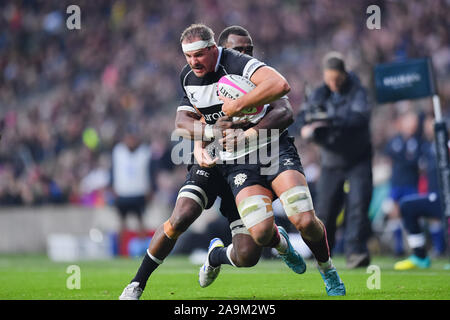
[{"x": 336, "y": 117}]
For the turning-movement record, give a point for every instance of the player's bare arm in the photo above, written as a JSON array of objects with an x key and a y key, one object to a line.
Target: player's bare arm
[
  {"x": 188, "y": 124},
  {"x": 185, "y": 124},
  {"x": 279, "y": 116}
]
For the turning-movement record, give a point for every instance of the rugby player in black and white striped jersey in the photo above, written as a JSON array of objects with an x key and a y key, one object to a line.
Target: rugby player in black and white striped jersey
[{"x": 207, "y": 64}]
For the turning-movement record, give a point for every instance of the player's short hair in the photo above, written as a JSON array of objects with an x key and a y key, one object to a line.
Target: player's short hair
[
  {"x": 236, "y": 30},
  {"x": 197, "y": 30}
]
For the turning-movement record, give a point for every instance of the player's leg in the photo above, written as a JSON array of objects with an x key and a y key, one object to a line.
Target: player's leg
[
  {"x": 243, "y": 251},
  {"x": 412, "y": 208},
  {"x": 291, "y": 187},
  {"x": 294, "y": 194},
  {"x": 254, "y": 204},
  {"x": 255, "y": 208},
  {"x": 185, "y": 212},
  {"x": 192, "y": 199}
]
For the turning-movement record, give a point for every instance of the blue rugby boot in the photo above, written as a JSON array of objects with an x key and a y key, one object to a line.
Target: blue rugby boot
[
  {"x": 292, "y": 258},
  {"x": 333, "y": 283}
]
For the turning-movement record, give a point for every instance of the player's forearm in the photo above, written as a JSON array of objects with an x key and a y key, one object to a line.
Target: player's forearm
[
  {"x": 198, "y": 144},
  {"x": 279, "y": 116},
  {"x": 189, "y": 126},
  {"x": 270, "y": 86},
  {"x": 267, "y": 91},
  {"x": 193, "y": 131}
]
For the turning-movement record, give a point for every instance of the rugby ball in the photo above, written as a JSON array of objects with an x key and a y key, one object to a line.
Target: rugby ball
[{"x": 234, "y": 86}]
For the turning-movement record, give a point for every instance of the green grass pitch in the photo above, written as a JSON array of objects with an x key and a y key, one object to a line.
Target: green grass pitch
[{"x": 36, "y": 277}]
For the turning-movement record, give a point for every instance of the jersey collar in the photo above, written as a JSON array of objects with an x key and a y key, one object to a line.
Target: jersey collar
[{"x": 218, "y": 58}]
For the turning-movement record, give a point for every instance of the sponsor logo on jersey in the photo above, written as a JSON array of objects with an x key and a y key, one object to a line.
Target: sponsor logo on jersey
[
  {"x": 192, "y": 98},
  {"x": 213, "y": 116}
]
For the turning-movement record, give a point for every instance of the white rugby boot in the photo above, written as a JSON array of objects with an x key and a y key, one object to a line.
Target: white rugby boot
[
  {"x": 207, "y": 273},
  {"x": 131, "y": 292}
]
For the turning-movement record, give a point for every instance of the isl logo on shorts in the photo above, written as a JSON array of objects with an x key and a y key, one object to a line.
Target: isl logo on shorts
[{"x": 239, "y": 179}]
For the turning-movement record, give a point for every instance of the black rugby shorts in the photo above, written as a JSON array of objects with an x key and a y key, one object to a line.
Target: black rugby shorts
[
  {"x": 240, "y": 176},
  {"x": 211, "y": 181}
]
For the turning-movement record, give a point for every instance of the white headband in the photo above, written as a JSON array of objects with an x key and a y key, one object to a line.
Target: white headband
[{"x": 197, "y": 45}]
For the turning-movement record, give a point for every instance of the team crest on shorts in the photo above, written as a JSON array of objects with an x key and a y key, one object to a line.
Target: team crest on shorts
[{"x": 239, "y": 179}]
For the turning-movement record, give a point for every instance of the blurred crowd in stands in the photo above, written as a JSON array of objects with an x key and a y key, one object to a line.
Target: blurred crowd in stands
[{"x": 67, "y": 95}]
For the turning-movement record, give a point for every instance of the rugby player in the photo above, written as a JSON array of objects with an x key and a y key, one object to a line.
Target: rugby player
[
  {"x": 199, "y": 192},
  {"x": 244, "y": 251},
  {"x": 253, "y": 192}
]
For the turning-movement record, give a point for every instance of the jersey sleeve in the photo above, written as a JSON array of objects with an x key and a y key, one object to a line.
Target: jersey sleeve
[
  {"x": 250, "y": 67},
  {"x": 242, "y": 64},
  {"x": 186, "y": 105}
]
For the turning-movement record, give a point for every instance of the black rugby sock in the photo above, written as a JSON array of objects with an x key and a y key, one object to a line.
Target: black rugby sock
[
  {"x": 219, "y": 256},
  {"x": 148, "y": 265},
  {"x": 320, "y": 248}
]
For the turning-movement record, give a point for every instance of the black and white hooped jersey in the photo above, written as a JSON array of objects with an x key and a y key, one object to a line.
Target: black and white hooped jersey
[{"x": 200, "y": 94}]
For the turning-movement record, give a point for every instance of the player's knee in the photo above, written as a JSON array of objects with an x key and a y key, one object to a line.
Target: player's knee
[
  {"x": 305, "y": 221},
  {"x": 247, "y": 260},
  {"x": 246, "y": 256},
  {"x": 179, "y": 224},
  {"x": 262, "y": 233},
  {"x": 183, "y": 216}
]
